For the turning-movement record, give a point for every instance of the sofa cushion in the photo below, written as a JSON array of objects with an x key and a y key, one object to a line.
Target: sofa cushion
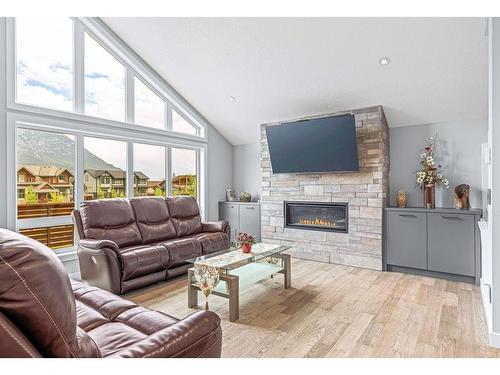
[
  {"x": 153, "y": 219},
  {"x": 182, "y": 249},
  {"x": 185, "y": 215},
  {"x": 112, "y": 322},
  {"x": 110, "y": 219},
  {"x": 36, "y": 296},
  {"x": 141, "y": 260},
  {"x": 212, "y": 241}
]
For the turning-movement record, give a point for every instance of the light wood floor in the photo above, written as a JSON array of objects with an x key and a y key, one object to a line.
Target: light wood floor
[{"x": 337, "y": 311}]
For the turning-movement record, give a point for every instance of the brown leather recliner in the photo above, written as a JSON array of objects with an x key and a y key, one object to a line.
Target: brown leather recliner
[
  {"x": 126, "y": 245},
  {"x": 44, "y": 314}
]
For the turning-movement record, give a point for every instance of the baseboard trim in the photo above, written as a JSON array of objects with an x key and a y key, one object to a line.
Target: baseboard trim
[
  {"x": 485, "y": 297},
  {"x": 495, "y": 339}
]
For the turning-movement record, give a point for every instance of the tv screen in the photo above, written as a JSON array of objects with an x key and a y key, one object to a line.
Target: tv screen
[{"x": 319, "y": 145}]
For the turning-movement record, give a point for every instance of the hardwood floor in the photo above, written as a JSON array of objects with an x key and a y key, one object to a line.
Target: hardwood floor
[{"x": 337, "y": 311}]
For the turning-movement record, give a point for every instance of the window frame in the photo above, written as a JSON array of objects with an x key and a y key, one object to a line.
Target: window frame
[
  {"x": 134, "y": 66},
  {"x": 80, "y": 131},
  {"x": 19, "y": 115}
]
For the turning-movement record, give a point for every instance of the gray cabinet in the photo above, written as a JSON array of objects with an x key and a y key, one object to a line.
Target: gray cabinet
[
  {"x": 242, "y": 217},
  {"x": 405, "y": 244},
  {"x": 433, "y": 242},
  {"x": 450, "y": 243}
]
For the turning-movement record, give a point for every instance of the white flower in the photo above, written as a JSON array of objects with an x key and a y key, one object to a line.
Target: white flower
[
  {"x": 439, "y": 176},
  {"x": 422, "y": 156}
]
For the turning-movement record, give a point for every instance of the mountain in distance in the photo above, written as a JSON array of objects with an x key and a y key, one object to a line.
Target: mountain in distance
[{"x": 44, "y": 148}]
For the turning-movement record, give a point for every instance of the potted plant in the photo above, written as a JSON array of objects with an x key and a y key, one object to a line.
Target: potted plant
[
  {"x": 245, "y": 241},
  {"x": 429, "y": 176}
]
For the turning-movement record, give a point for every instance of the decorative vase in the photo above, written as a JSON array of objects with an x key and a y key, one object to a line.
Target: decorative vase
[
  {"x": 246, "y": 248},
  {"x": 430, "y": 196},
  {"x": 402, "y": 199}
]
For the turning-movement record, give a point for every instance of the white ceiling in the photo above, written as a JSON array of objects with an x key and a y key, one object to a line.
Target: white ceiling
[{"x": 284, "y": 68}]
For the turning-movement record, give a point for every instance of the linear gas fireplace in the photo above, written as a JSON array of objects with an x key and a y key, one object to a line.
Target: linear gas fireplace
[{"x": 330, "y": 217}]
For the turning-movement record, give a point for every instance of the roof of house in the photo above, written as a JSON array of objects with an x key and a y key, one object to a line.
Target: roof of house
[
  {"x": 45, "y": 187},
  {"x": 141, "y": 175},
  {"x": 156, "y": 183},
  {"x": 44, "y": 170}
]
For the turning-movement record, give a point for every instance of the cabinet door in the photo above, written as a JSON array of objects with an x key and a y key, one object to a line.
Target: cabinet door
[
  {"x": 406, "y": 239},
  {"x": 250, "y": 220},
  {"x": 451, "y": 243},
  {"x": 230, "y": 212}
]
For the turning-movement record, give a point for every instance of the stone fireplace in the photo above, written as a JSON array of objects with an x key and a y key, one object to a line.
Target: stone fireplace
[
  {"x": 332, "y": 217},
  {"x": 322, "y": 216}
]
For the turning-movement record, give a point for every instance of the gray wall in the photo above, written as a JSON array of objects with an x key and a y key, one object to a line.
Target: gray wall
[
  {"x": 246, "y": 169},
  {"x": 458, "y": 151},
  {"x": 219, "y": 171}
]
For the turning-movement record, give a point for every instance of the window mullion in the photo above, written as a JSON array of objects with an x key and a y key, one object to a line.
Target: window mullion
[
  {"x": 168, "y": 175},
  {"x": 130, "y": 170},
  {"x": 78, "y": 187},
  {"x": 78, "y": 64},
  {"x": 130, "y": 96},
  {"x": 168, "y": 115}
]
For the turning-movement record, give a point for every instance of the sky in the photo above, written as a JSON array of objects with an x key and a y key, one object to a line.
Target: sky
[{"x": 45, "y": 78}]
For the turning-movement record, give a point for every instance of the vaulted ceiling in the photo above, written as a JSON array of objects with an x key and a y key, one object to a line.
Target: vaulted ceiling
[{"x": 284, "y": 68}]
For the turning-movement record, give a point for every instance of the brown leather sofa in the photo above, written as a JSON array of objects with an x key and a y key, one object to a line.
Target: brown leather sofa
[
  {"x": 45, "y": 314},
  {"x": 125, "y": 245}
]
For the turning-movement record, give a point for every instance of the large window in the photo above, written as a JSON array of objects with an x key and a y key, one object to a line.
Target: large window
[
  {"x": 105, "y": 169},
  {"x": 184, "y": 172},
  {"x": 44, "y": 66},
  {"x": 61, "y": 64},
  {"x": 181, "y": 125},
  {"x": 67, "y": 77},
  {"x": 45, "y": 185},
  {"x": 149, "y": 107},
  {"x": 104, "y": 82},
  {"x": 149, "y": 170}
]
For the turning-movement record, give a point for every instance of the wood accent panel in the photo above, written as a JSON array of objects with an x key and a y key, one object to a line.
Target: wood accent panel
[
  {"x": 340, "y": 311},
  {"x": 33, "y": 210},
  {"x": 54, "y": 237}
]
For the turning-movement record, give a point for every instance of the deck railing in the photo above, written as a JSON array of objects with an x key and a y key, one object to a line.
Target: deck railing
[{"x": 34, "y": 210}]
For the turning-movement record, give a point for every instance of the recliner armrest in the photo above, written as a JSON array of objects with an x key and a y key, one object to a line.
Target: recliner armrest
[
  {"x": 215, "y": 226},
  {"x": 98, "y": 244},
  {"x": 198, "y": 335}
]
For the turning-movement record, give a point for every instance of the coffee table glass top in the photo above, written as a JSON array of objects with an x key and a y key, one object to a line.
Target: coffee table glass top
[{"x": 233, "y": 258}]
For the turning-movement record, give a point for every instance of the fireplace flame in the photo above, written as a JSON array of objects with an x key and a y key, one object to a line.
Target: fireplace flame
[{"x": 318, "y": 221}]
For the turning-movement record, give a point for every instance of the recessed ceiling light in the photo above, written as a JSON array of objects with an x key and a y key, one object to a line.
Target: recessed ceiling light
[
  {"x": 232, "y": 99},
  {"x": 384, "y": 60}
]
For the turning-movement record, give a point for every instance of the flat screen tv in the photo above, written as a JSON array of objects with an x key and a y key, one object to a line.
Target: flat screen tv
[{"x": 321, "y": 145}]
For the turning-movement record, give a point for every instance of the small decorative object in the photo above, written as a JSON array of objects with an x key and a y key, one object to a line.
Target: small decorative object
[
  {"x": 429, "y": 177},
  {"x": 462, "y": 197},
  {"x": 245, "y": 197},
  {"x": 246, "y": 241},
  {"x": 230, "y": 195},
  {"x": 402, "y": 199},
  {"x": 207, "y": 279}
]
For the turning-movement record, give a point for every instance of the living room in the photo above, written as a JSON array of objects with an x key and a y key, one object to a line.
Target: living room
[{"x": 255, "y": 187}]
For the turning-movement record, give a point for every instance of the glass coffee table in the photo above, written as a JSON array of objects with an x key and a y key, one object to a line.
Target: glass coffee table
[{"x": 227, "y": 273}]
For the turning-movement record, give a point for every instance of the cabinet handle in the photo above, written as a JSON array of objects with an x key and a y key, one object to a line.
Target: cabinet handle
[
  {"x": 451, "y": 217},
  {"x": 407, "y": 215},
  {"x": 250, "y": 208}
]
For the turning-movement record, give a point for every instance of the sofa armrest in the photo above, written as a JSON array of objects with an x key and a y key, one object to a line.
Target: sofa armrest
[
  {"x": 198, "y": 335},
  {"x": 215, "y": 226},
  {"x": 99, "y": 264},
  {"x": 98, "y": 244}
]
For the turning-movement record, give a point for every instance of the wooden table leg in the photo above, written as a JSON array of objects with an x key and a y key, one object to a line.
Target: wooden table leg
[
  {"x": 192, "y": 291},
  {"x": 233, "y": 286}
]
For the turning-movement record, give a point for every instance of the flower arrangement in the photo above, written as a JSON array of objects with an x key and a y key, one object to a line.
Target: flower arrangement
[
  {"x": 246, "y": 241},
  {"x": 429, "y": 174}
]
